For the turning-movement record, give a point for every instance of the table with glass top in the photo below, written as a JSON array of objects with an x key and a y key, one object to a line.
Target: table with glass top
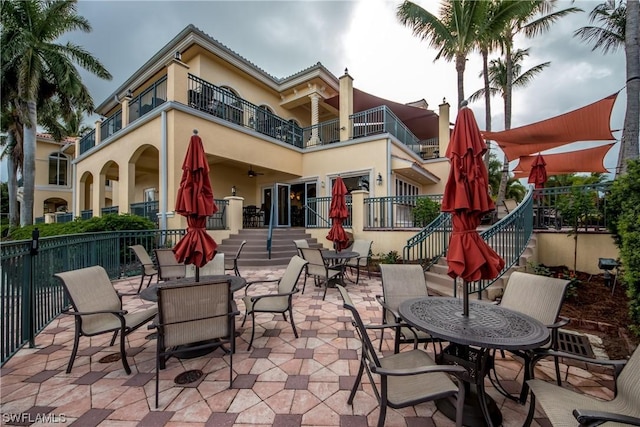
[{"x": 473, "y": 337}]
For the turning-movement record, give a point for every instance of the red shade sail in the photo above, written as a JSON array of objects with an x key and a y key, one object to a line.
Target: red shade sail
[
  {"x": 589, "y": 123},
  {"x": 466, "y": 196},
  {"x": 195, "y": 201},
  {"x": 585, "y": 160},
  {"x": 338, "y": 213}
]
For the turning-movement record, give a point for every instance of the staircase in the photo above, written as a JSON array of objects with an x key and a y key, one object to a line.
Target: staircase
[
  {"x": 440, "y": 283},
  {"x": 255, "y": 254}
]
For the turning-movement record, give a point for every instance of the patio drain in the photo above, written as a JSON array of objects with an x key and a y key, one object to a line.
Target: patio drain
[
  {"x": 188, "y": 377},
  {"x": 575, "y": 344},
  {"x": 110, "y": 358}
]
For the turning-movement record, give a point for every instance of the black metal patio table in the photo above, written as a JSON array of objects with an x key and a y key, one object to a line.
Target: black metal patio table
[
  {"x": 472, "y": 338},
  {"x": 339, "y": 260}
]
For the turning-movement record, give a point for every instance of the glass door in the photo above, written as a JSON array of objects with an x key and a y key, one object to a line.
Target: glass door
[{"x": 282, "y": 202}]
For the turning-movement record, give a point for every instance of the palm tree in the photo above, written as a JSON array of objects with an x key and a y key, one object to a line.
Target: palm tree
[
  {"x": 619, "y": 27},
  {"x": 454, "y": 35},
  {"x": 537, "y": 18},
  {"x": 30, "y": 30}
]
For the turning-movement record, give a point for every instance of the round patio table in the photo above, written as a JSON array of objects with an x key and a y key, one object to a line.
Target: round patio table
[
  {"x": 339, "y": 260},
  {"x": 472, "y": 338},
  {"x": 151, "y": 292}
]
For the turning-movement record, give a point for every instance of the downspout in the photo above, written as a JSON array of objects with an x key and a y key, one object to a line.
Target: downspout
[{"x": 163, "y": 171}]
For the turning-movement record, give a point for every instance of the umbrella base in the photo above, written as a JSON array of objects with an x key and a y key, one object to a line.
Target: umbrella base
[{"x": 472, "y": 415}]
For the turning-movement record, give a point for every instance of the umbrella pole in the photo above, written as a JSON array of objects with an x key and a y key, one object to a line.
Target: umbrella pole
[
  {"x": 197, "y": 273},
  {"x": 465, "y": 299}
]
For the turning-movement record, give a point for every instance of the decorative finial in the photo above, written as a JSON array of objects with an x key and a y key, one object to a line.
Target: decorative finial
[
  {"x": 444, "y": 100},
  {"x": 346, "y": 70},
  {"x": 195, "y": 131},
  {"x": 464, "y": 103}
]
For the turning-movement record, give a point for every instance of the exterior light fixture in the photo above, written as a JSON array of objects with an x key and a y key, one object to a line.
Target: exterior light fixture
[
  {"x": 379, "y": 179},
  {"x": 129, "y": 94},
  {"x": 177, "y": 55},
  {"x": 233, "y": 190}
]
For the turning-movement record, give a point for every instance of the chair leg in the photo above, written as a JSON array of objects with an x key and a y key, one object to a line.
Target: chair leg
[
  {"x": 357, "y": 274},
  {"x": 253, "y": 329},
  {"x": 157, "y": 377},
  {"x": 293, "y": 323},
  {"x": 141, "y": 282},
  {"x": 383, "y": 410},
  {"x": 74, "y": 352},
  {"x": 235, "y": 268},
  {"x": 356, "y": 383},
  {"x": 460, "y": 403},
  {"x": 123, "y": 353},
  {"x": 113, "y": 340}
]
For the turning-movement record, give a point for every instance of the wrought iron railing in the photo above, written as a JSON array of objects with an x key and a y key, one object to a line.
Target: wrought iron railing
[
  {"x": 317, "y": 212},
  {"x": 322, "y": 133},
  {"x": 109, "y": 210},
  {"x": 145, "y": 209},
  {"x": 111, "y": 125},
  {"x": 223, "y": 103},
  {"x": 393, "y": 212},
  {"x": 64, "y": 217},
  {"x": 30, "y": 297},
  {"x": 430, "y": 244},
  {"x": 218, "y": 221},
  {"x": 87, "y": 141},
  {"x": 86, "y": 214},
  {"x": 152, "y": 97}
]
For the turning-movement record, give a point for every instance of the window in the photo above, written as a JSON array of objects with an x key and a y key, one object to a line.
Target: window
[
  {"x": 58, "y": 169},
  {"x": 404, "y": 188}
]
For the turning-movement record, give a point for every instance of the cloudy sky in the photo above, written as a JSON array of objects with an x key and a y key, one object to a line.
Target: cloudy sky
[{"x": 384, "y": 58}]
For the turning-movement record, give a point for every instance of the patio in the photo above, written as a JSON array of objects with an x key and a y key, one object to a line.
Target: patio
[{"x": 282, "y": 381}]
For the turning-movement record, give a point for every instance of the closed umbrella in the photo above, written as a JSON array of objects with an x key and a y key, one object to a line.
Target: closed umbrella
[
  {"x": 466, "y": 197},
  {"x": 338, "y": 213},
  {"x": 537, "y": 177},
  {"x": 195, "y": 202}
]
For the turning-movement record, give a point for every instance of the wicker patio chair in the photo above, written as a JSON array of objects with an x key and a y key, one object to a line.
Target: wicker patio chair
[
  {"x": 148, "y": 269},
  {"x": 540, "y": 297},
  {"x": 231, "y": 261},
  {"x": 319, "y": 269},
  {"x": 198, "y": 313},
  {"x": 168, "y": 267},
  {"x": 564, "y": 407},
  {"x": 280, "y": 301},
  {"x": 406, "y": 378},
  {"x": 363, "y": 247},
  {"x": 401, "y": 282},
  {"x": 97, "y": 309}
]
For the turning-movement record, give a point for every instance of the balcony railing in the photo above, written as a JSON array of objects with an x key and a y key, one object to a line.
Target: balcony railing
[
  {"x": 223, "y": 103},
  {"x": 152, "y": 97},
  {"x": 111, "y": 125},
  {"x": 109, "y": 210},
  {"x": 382, "y": 120},
  {"x": 145, "y": 209},
  {"x": 322, "y": 134},
  {"x": 86, "y": 214},
  {"x": 218, "y": 221},
  {"x": 87, "y": 141}
]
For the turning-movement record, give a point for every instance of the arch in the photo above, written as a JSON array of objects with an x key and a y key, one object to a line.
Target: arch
[
  {"x": 84, "y": 191},
  {"x": 55, "y": 204}
]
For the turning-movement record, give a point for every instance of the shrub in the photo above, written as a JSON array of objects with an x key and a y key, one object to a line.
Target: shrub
[
  {"x": 391, "y": 257},
  {"x": 426, "y": 210}
]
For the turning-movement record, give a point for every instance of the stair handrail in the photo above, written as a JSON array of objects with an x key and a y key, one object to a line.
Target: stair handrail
[
  {"x": 310, "y": 210},
  {"x": 426, "y": 246},
  {"x": 272, "y": 213}
]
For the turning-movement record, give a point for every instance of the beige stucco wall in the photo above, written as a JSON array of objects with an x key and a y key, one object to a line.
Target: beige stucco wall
[
  {"x": 557, "y": 249},
  {"x": 44, "y": 190}
]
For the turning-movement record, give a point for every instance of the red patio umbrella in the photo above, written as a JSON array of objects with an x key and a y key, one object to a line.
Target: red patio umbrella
[
  {"x": 338, "y": 213},
  {"x": 466, "y": 196},
  {"x": 538, "y": 174},
  {"x": 195, "y": 202}
]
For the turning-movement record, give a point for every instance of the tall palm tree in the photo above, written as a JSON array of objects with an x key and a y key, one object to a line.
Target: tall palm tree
[
  {"x": 30, "y": 30},
  {"x": 619, "y": 28},
  {"x": 536, "y": 19},
  {"x": 454, "y": 34}
]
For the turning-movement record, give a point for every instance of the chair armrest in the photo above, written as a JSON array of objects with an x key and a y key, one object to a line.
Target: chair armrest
[
  {"x": 118, "y": 313},
  {"x": 453, "y": 369},
  {"x": 258, "y": 297},
  {"x": 253, "y": 282},
  {"x": 384, "y": 305},
  {"x": 563, "y": 321},
  {"x": 589, "y": 418},
  {"x": 617, "y": 365}
]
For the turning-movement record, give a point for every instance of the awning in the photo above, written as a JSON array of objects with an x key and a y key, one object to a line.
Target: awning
[
  {"x": 586, "y": 160},
  {"x": 413, "y": 171},
  {"x": 590, "y": 123},
  {"x": 421, "y": 122}
]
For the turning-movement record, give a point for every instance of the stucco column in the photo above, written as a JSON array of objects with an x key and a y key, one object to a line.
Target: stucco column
[
  {"x": 97, "y": 202},
  {"x": 234, "y": 213},
  {"x": 177, "y": 81},
  {"x": 315, "y": 113},
  {"x": 126, "y": 188},
  {"x": 357, "y": 211},
  {"x": 443, "y": 127},
  {"x": 125, "y": 112},
  {"x": 98, "y": 134},
  {"x": 346, "y": 106}
]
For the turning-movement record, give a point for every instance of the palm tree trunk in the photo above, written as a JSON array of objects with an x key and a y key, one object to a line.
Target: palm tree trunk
[
  {"x": 460, "y": 66},
  {"x": 487, "y": 103},
  {"x": 507, "y": 120},
  {"x": 629, "y": 145},
  {"x": 29, "y": 165},
  {"x": 12, "y": 183}
]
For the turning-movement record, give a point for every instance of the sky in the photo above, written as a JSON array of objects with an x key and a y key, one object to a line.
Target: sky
[{"x": 383, "y": 57}]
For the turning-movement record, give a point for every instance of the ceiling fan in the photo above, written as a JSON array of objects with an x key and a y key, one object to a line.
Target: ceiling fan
[{"x": 251, "y": 173}]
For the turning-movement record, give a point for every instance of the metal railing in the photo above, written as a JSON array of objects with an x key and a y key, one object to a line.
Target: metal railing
[
  {"x": 152, "y": 97},
  {"x": 380, "y": 120},
  {"x": 218, "y": 221},
  {"x": 30, "y": 297},
  {"x": 322, "y": 133},
  {"x": 86, "y": 214},
  {"x": 146, "y": 209},
  {"x": 550, "y": 202},
  {"x": 223, "y": 103},
  {"x": 430, "y": 244},
  {"x": 109, "y": 210},
  {"x": 393, "y": 212},
  {"x": 88, "y": 141},
  {"x": 111, "y": 125},
  {"x": 317, "y": 212}
]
